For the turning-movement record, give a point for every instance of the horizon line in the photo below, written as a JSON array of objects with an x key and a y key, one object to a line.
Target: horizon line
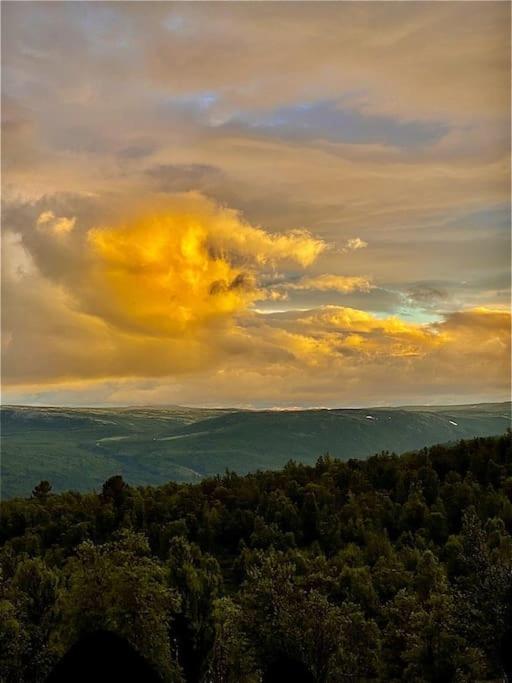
[{"x": 167, "y": 406}]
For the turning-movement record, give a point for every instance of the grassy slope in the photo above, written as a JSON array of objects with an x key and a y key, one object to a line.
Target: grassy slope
[{"x": 80, "y": 448}]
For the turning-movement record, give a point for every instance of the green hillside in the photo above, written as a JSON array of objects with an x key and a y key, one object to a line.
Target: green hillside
[{"x": 78, "y": 448}]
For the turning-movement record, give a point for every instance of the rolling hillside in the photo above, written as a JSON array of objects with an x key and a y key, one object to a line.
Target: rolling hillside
[{"x": 78, "y": 448}]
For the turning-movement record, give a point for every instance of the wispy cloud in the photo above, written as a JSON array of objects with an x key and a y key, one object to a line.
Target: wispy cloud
[{"x": 324, "y": 283}]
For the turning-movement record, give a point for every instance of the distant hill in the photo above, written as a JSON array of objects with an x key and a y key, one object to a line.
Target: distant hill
[{"x": 79, "y": 448}]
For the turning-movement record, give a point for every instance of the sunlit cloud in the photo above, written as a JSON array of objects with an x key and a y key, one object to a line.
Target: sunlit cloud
[
  {"x": 338, "y": 283},
  {"x": 47, "y": 221},
  {"x": 355, "y": 243},
  {"x": 334, "y": 356},
  {"x": 180, "y": 269}
]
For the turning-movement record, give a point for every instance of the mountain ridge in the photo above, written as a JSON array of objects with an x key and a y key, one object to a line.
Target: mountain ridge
[{"x": 79, "y": 448}]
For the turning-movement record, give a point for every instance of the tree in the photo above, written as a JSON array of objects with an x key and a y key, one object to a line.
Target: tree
[
  {"x": 114, "y": 490},
  {"x": 233, "y": 657},
  {"x": 197, "y": 580},
  {"x": 12, "y": 644},
  {"x": 484, "y": 592},
  {"x": 118, "y": 587},
  {"x": 42, "y": 490},
  {"x": 285, "y": 620}
]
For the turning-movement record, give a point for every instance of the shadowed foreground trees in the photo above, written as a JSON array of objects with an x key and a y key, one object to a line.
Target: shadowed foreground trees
[{"x": 391, "y": 569}]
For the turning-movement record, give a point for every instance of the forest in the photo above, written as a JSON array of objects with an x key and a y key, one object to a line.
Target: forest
[{"x": 394, "y": 568}]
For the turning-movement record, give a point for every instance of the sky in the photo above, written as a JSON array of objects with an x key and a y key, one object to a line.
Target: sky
[{"x": 255, "y": 204}]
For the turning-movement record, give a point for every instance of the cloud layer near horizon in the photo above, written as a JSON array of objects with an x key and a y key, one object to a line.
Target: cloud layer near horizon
[{"x": 264, "y": 203}]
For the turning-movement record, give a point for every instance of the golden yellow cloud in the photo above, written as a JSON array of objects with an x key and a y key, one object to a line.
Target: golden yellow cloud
[
  {"x": 462, "y": 338},
  {"x": 338, "y": 283},
  {"x": 187, "y": 266},
  {"x": 332, "y": 333},
  {"x": 362, "y": 322}
]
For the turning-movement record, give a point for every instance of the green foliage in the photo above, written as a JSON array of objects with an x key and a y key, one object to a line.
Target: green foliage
[
  {"x": 118, "y": 587},
  {"x": 390, "y": 569},
  {"x": 197, "y": 578},
  {"x": 233, "y": 657},
  {"x": 283, "y": 616}
]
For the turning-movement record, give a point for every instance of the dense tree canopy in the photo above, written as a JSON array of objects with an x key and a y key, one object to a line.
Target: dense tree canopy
[{"x": 390, "y": 569}]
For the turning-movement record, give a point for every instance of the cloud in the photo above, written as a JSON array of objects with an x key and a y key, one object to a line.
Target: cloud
[
  {"x": 185, "y": 266},
  {"x": 186, "y": 177},
  {"x": 368, "y": 336},
  {"x": 164, "y": 290},
  {"x": 175, "y": 267},
  {"x": 454, "y": 56},
  {"x": 333, "y": 356},
  {"x": 111, "y": 280},
  {"x": 48, "y": 222},
  {"x": 338, "y": 283},
  {"x": 457, "y": 76},
  {"x": 355, "y": 243}
]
